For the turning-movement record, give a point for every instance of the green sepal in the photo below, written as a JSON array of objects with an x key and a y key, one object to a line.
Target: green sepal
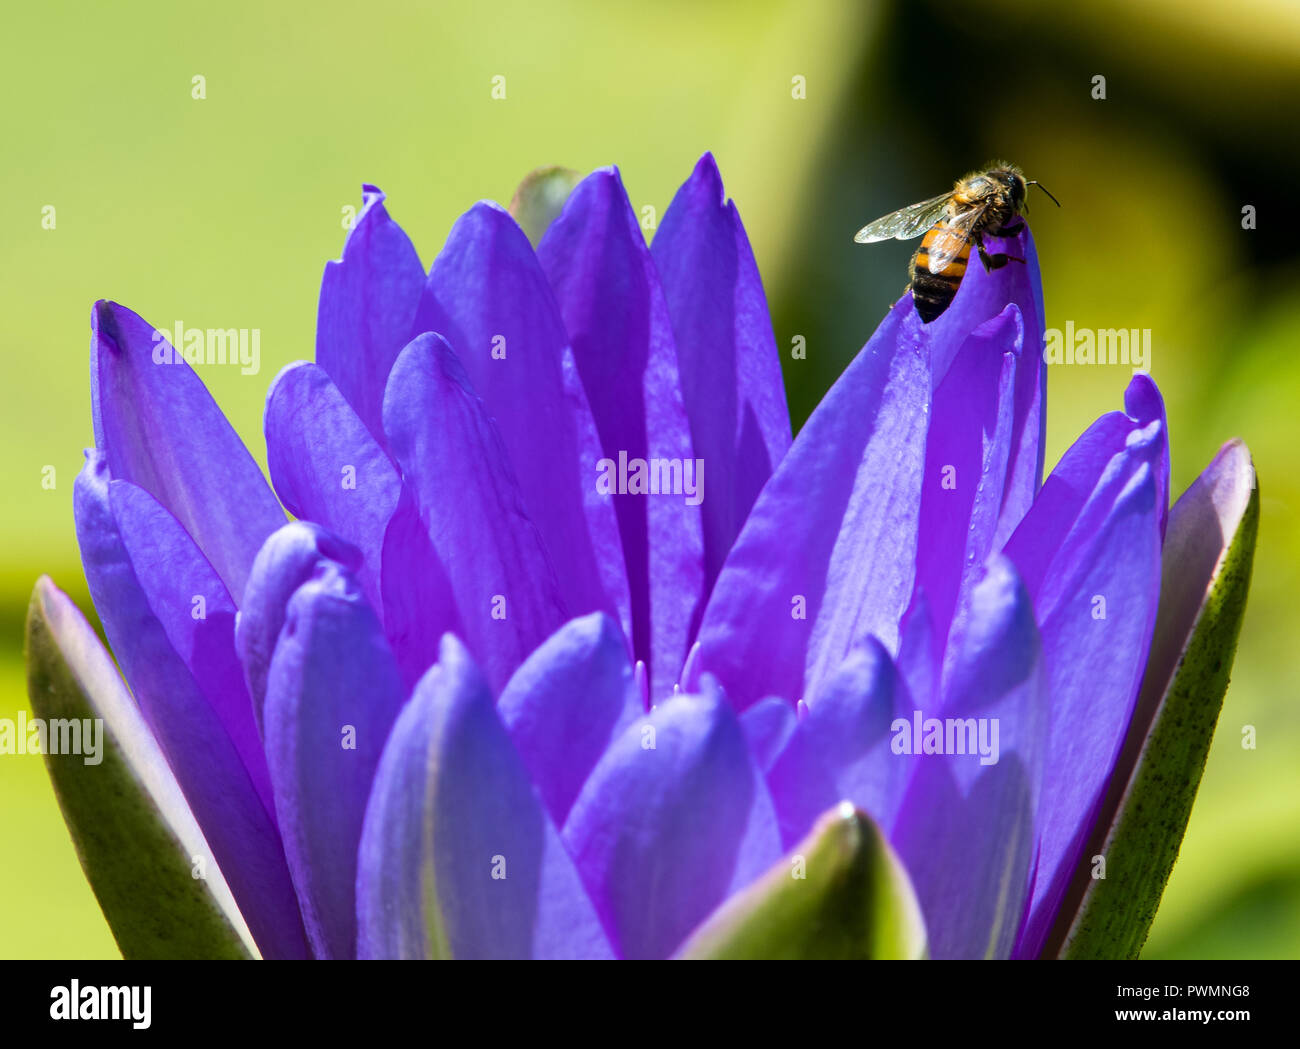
[
  {"x": 1205, "y": 579},
  {"x": 540, "y": 198},
  {"x": 136, "y": 838},
  {"x": 841, "y": 893}
]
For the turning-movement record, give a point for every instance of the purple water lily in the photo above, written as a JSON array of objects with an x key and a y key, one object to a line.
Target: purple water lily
[{"x": 568, "y": 644}]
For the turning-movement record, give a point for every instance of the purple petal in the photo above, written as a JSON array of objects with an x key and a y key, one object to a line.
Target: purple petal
[
  {"x": 1095, "y": 596},
  {"x": 966, "y": 459},
  {"x": 419, "y": 605},
  {"x": 730, "y": 370},
  {"x": 1071, "y": 484},
  {"x": 826, "y": 557},
  {"x": 487, "y": 295},
  {"x": 368, "y": 302},
  {"x": 286, "y": 561},
  {"x": 327, "y": 468},
  {"x": 459, "y": 474},
  {"x": 673, "y": 819},
  {"x": 158, "y": 427},
  {"x": 1095, "y": 667},
  {"x": 617, "y": 319},
  {"x": 145, "y": 575},
  {"x": 840, "y": 750},
  {"x": 1216, "y": 501},
  {"x": 332, "y": 696},
  {"x": 966, "y": 827},
  {"x": 982, "y": 296},
  {"x": 191, "y": 605},
  {"x": 848, "y": 555},
  {"x": 458, "y": 858},
  {"x": 919, "y": 655},
  {"x": 768, "y": 726},
  {"x": 564, "y": 705},
  {"x": 1205, "y": 569},
  {"x": 1024, "y": 474}
]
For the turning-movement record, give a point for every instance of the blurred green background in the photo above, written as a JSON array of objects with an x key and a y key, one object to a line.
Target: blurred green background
[{"x": 221, "y": 212}]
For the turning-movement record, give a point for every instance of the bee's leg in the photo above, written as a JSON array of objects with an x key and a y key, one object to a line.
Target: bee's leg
[
  {"x": 1009, "y": 230},
  {"x": 996, "y": 261}
]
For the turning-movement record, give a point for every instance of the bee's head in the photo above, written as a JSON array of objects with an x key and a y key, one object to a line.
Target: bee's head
[
  {"x": 1016, "y": 186},
  {"x": 1008, "y": 180}
]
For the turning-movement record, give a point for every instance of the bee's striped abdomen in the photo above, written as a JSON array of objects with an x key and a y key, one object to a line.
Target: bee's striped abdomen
[{"x": 933, "y": 292}]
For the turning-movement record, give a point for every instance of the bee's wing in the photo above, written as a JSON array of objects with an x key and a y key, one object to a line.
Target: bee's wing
[
  {"x": 905, "y": 223},
  {"x": 955, "y": 235}
]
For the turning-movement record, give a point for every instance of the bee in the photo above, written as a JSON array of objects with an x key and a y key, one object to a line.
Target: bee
[{"x": 984, "y": 202}]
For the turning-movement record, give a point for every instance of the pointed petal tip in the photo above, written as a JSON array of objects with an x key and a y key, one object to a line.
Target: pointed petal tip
[
  {"x": 532, "y": 209},
  {"x": 606, "y": 182},
  {"x": 1012, "y": 315},
  {"x": 690, "y": 678},
  {"x": 51, "y": 605},
  {"x": 708, "y": 688},
  {"x": 96, "y": 463},
  {"x": 119, "y": 329},
  {"x": 101, "y": 314},
  {"x": 329, "y": 581},
  {"x": 106, "y": 320},
  {"x": 51, "y": 602},
  {"x": 595, "y": 629},
  {"x": 708, "y": 175},
  {"x": 1232, "y": 468},
  {"x": 494, "y": 210},
  {"x": 284, "y": 378},
  {"x": 1142, "y": 399},
  {"x": 288, "y": 369},
  {"x": 310, "y": 537},
  {"x": 286, "y": 561},
  {"x": 452, "y": 651},
  {"x": 641, "y": 679}
]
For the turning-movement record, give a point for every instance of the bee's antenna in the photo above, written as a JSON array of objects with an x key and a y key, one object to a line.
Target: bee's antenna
[{"x": 1035, "y": 182}]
